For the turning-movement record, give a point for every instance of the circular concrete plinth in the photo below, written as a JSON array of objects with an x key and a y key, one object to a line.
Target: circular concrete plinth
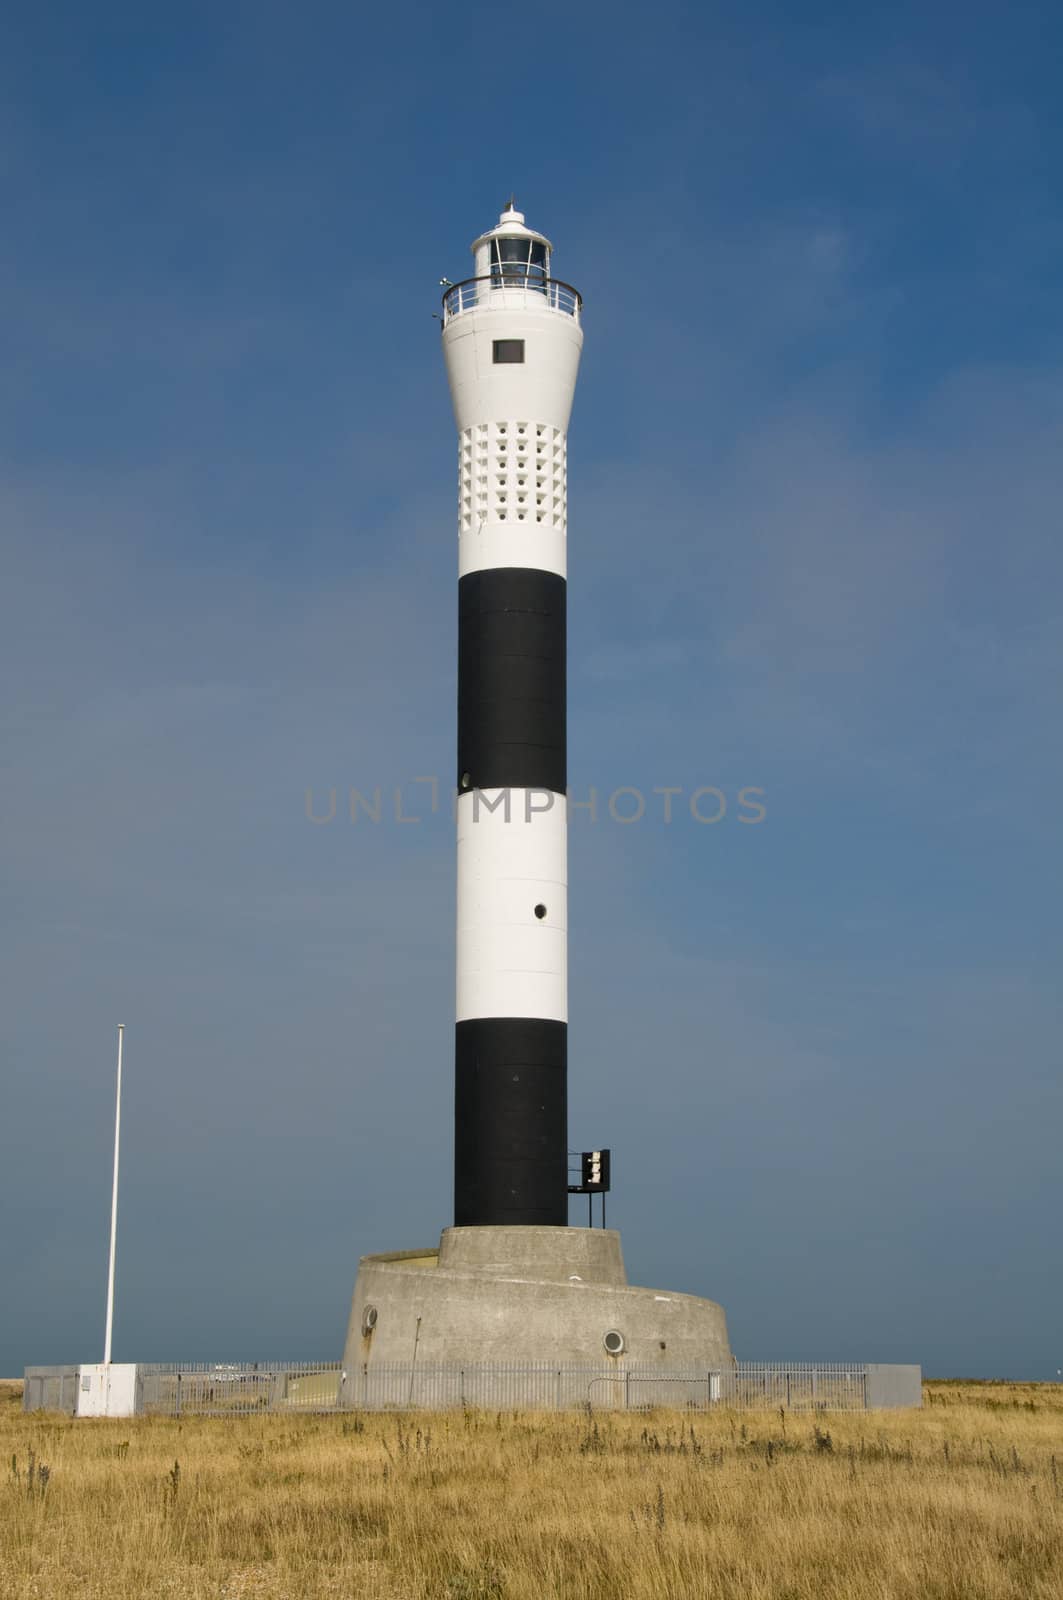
[{"x": 522, "y": 1296}]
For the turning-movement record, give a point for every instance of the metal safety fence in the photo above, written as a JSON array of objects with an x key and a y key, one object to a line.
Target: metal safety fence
[
  {"x": 241, "y": 1388},
  {"x": 50, "y": 1389},
  {"x": 546, "y": 1386},
  {"x": 237, "y": 1388}
]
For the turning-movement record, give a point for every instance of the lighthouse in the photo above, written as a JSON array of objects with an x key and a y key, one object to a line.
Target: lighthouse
[
  {"x": 512, "y": 341},
  {"x": 510, "y": 1281}
]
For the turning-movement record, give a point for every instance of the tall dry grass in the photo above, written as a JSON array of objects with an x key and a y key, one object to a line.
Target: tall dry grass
[{"x": 962, "y": 1501}]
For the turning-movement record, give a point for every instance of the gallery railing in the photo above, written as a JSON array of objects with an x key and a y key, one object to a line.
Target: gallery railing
[{"x": 508, "y": 293}]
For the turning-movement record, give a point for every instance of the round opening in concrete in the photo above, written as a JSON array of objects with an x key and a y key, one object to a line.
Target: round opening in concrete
[
  {"x": 369, "y": 1319},
  {"x": 613, "y": 1342},
  {"x": 540, "y": 911}
]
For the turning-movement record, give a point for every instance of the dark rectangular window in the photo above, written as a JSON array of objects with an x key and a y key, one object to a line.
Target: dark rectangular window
[{"x": 508, "y": 350}]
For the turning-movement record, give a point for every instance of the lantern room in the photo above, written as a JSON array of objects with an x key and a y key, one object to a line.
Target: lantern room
[{"x": 512, "y": 255}]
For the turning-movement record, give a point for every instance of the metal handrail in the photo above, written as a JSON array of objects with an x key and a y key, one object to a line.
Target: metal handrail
[{"x": 468, "y": 294}]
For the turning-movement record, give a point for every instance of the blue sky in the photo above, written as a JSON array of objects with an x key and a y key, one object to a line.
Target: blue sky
[{"x": 814, "y": 548}]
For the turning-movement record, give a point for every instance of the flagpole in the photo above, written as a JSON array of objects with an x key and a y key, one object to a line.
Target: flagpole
[{"x": 114, "y": 1204}]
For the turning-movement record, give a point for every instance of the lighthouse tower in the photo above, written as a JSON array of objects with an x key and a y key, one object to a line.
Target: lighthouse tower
[
  {"x": 510, "y": 1281},
  {"x": 512, "y": 342}
]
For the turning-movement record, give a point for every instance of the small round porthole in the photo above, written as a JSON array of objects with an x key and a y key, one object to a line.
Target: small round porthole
[
  {"x": 613, "y": 1342},
  {"x": 368, "y": 1319},
  {"x": 540, "y": 911}
]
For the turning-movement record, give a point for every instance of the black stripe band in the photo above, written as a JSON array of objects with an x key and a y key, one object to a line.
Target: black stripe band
[
  {"x": 511, "y": 680},
  {"x": 510, "y": 1156}
]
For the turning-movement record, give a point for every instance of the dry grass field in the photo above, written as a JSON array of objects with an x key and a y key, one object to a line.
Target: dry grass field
[{"x": 963, "y": 1501}]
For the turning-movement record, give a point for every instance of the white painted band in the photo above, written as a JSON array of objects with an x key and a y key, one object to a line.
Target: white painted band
[
  {"x": 512, "y": 857},
  {"x": 503, "y": 545}
]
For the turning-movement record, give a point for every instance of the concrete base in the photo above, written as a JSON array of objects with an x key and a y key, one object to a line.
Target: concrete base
[{"x": 522, "y": 1295}]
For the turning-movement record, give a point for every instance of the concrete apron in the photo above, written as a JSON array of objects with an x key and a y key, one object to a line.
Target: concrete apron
[{"x": 522, "y": 1295}]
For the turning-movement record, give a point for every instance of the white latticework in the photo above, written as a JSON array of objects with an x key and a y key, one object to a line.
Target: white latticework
[{"x": 512, "y": 472}]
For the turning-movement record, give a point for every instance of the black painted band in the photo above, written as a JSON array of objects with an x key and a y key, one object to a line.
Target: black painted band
[
  {"x": 510, "y": 1118},
  {"x": 511, "y": 680}
]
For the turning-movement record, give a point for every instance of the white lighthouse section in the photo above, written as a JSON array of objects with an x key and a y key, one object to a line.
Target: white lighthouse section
[
  {"x": 512, "y": 905},
  {"x": 512, "y": 341}
]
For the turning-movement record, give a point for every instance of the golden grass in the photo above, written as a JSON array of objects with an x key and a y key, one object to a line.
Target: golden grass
[{"x": 962, "y": 1501}]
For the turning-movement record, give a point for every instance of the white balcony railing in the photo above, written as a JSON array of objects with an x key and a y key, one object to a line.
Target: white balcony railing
[{"x": 502, "y": 294}]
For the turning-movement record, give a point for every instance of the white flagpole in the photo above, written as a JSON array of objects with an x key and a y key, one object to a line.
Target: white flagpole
[{"x": 114, "y": 1204}]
